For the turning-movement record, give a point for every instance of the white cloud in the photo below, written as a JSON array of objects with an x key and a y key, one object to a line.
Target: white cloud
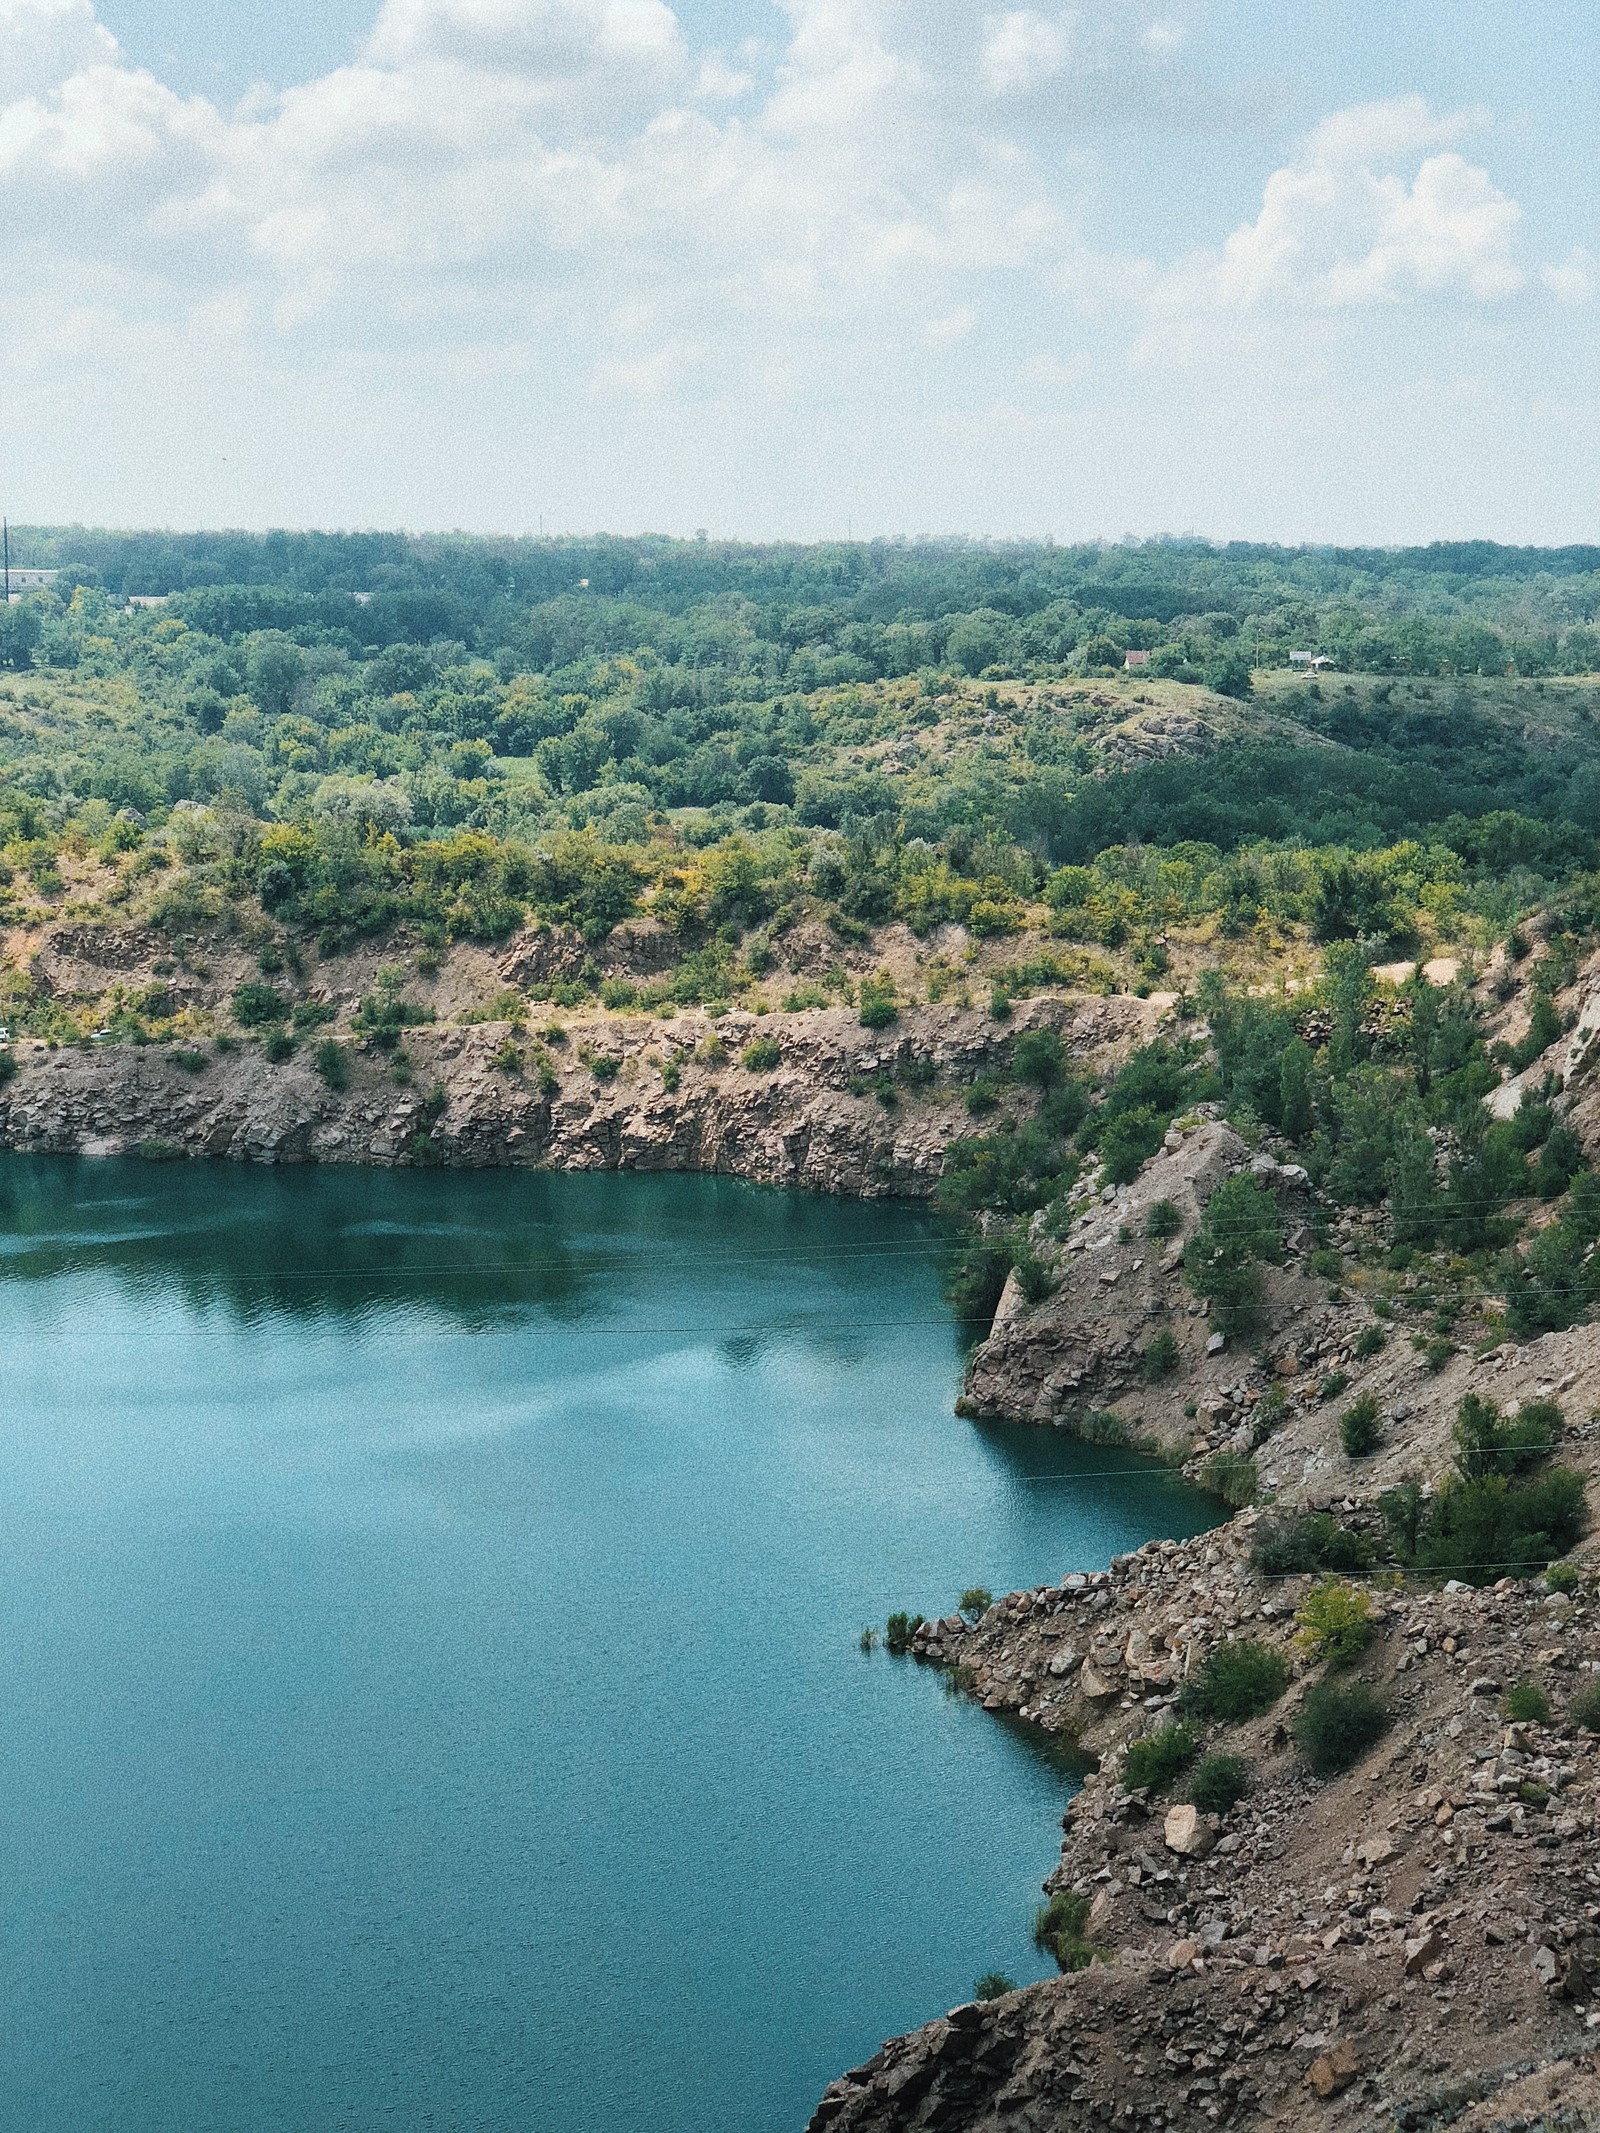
[
  {"x": 1164, "y": 37},
  {"x": 1341, "y": 227},
  {"x": 954, "y": 326},
  {"x": 44, "y": 41},
  {"x": 1576, "y": 279},
  {"x": 564, "y": 205},
  {"x": 1024, "y": 49}
]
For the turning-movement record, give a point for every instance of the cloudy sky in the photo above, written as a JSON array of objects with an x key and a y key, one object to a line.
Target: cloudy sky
[{"x": 1276, "y": 269}]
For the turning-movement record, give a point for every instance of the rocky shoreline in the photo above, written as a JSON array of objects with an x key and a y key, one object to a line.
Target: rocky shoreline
[{"x": 1411, "y": 1945}]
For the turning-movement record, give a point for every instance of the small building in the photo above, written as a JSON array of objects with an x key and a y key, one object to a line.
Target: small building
[
  {"x": 147, "y": 599},
  {"x": 1315, "y": 660},
  {"x": 23, "y": 578},
  {"x": 1135, "y": 659}
]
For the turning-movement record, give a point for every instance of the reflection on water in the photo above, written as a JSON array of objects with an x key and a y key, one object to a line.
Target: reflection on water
[{"x": 429, "y": 1607}]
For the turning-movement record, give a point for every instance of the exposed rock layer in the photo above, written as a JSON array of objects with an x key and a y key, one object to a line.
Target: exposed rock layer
[{"x": 666, "y": 1096}]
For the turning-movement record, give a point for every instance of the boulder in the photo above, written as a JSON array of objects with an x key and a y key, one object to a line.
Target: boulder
[
  {"x": 1334, "y": 2070},
  {"x": 1187, "y": 1832},
  {"x": 1426, "y": 1949}
]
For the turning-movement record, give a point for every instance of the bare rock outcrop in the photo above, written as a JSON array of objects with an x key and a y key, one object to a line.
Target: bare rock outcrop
[
  {"x": 846, "y": 1110},
  {"x": 1115, "y": 1284}
]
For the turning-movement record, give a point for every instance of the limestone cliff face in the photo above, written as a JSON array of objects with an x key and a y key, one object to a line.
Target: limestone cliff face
[{"x": 631, "y": 1094}]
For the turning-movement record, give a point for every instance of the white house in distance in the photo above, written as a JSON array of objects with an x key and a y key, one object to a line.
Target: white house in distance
[
  {"x": 1315, "y": 660},
  {"x": 1136, "y": 659},
  {"x": 22, "y": 578}
]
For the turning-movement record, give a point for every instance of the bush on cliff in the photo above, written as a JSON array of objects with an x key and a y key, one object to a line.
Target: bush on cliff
[
  {"x": 1219, "y": 1783},
  {"x": 1240, "y": 1229},
  {"x": 1337, "y": 1725},
  {"x": 1287, "y": 1547},
  {"x": 1162, "y": 1357},
  {"x": 1334, "y": 1621},
  {"x": 1238, "y": 1682},
  {"x": 1360, "y": 1427},
  {"x": 1058, "y": 1931},
  {"x": 1232, "y": 1476},
  {"x": 333, "y": 1064},
  {"x": 1493, "y": 1518},
  {"x": 1155, "y": 1760}
]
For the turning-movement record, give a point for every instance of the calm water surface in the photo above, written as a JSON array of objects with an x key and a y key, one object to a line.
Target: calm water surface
[{"x": 429, "y": 1694}]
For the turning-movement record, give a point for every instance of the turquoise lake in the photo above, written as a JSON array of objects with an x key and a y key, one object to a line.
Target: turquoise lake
[{"x": 430, "y": 1694}]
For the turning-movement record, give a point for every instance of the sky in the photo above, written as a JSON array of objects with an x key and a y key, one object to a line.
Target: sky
[{"x": 1257, "y": 269}]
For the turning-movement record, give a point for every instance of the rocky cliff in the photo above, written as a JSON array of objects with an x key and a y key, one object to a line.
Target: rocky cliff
[{"x": 843, "y": 1109}]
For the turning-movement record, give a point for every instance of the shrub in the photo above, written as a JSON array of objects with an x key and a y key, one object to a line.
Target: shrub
[
  {"x": 256, "y": 1006},
  {"x": 605, "y": 1066},
  {"x": 1527, "y": 1704},
  {"x": 1584, "y": 1709},
  {"x": 1562, "y": 1577},
  {"x": 156, "y": 1150},
  {"x": 1436, "y": 1353},
  {"x": 333, "y": 1064},
  {"x": 977, "y": 1279},
  {"x": 1127, "y": 1140},
  {"x": 1360, "y": 1427},
  {"x": 1219, "y": 1783},
  {"x": 1034, "y": 1278},
  {"x": 278, "y": 1047},
  {"x": 1162, "y": 1357},
  {"x": 975, "y": 1601},
  {"x": 1327, "y": 1264},
  {"x": 1237, "y": 1682},
  {"x": 1240, "y": 1228},
  {"x": 1271, "y": 1408},
  {"x": 1373, "y": 1338},
  {"x": 982, "y": 1096},
  {"x": 190, "y": 1061},
  {"x": 1232, "y": 1476},
  {"x": 1164, "y": 1220},
  {"x": 1487, "y": 1445},
  {"x": 1335, "y": 1621},
  {"x": 899, "y": 1631},
  {"x": 1481, "y": 1530},
  {"x": 506, "y": 1058},
  {"x": 993, "y": 1985},
  {"x": 1333, "y": 1384},
  {"x": 762, "y": 1056},
  {"x": 1337, "y": 1725},
  {"x": 1058, "y": 1931},
  {"x": 877, "y": 1001},
  {"x": 1313, "y": 1541},
  {"x": 1039, "y": 1057},
  {"x": 1155, "y": 1760}
]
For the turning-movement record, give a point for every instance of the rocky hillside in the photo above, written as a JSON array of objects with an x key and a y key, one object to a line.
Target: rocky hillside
[
  {"x": 1412, "y": 1944},
  {"x": 450, "y": 1069},
  {"x": 1408, "y": 1940}
]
